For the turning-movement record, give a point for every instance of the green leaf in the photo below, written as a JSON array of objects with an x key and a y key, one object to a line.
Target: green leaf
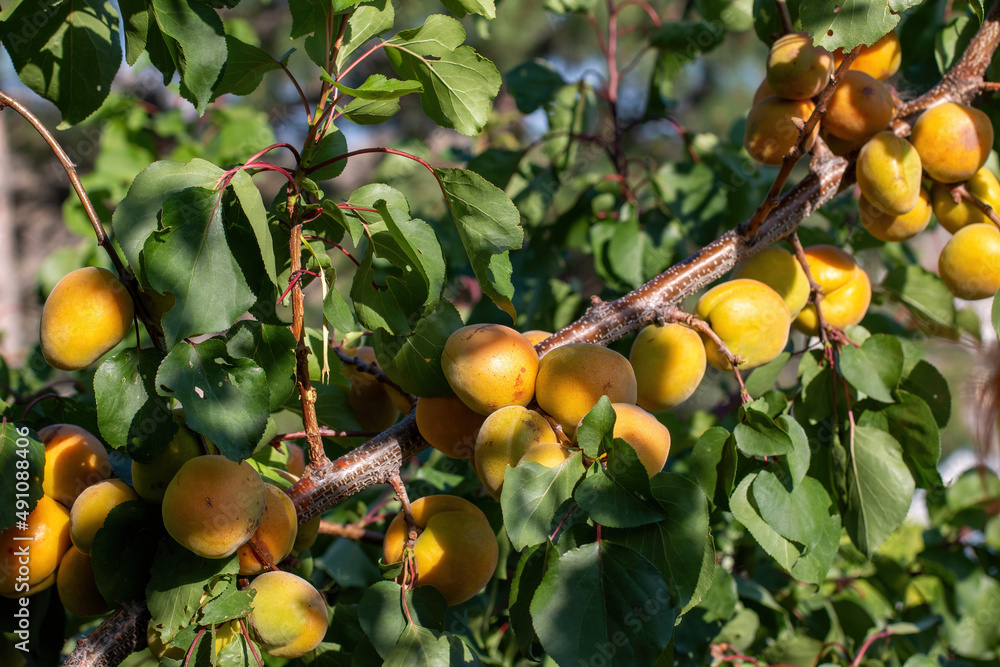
[
  {"x": 798, "y": 459},
  {"x": 420, "y": 647},
  {"x": 335, "y": 308},
  {"x": 487, "y": 223},
  {"x": 496, "y": 165},
  {"x": 912, "y": 424},
  {"x": 707, "y": 456},
  {"x": 875, "y": 368},
  {"x": 22, "y": 465},
  {"x": 927, "y": 382},
  {"x": 224, "y": 399},
  {"x": 594, "y": 435},
  {"x": 123, "y": 550},
  {"x": 687, "y": 38},
  {"x": 836, "y": 24},
  {"x": 377, "y": 87},
  {"x": 762, "y": 379},
  {"x": 307, "y": 17},
  {"x": 201, "y": 41},
  {"x": 781, "y": 550},
  {"x": 381, "y": 612},
  {"x": 371, "y": 112},
  {"x": 462, "y": 8},
  {"x": 419, "y": 244},
  {"x": 256, "y": 214},
  {"x": 246, "y": 66},
  {"x": 880, "y": 488},
  {"x": 618, "y": 496},
  {"x": 368, "y": 20},
  {"x": 527, "y": 578},
  {"x": 534, "y": 498},
  {"x": 135, "y": 21},
  {"x": 414, "y": 361},
  {"x": 533, "y": 84},
  {"x": 922, "y": 292},
  {"x": 758, "y": 435},
  {"x": 190, "y": 257},
  {"x": 129, "y": 411},
  {"x": 586, "y": 606},
  {"x": 67, "y": 52},
  {"x": 459, "y": 84},
  {"x": 333, "y": 145},
  {"x": 569, "y": 6},
  {"x": 270, "y": 347},
  {"x": 231, "y": 604},
  {"x": 796, "y": 515}
]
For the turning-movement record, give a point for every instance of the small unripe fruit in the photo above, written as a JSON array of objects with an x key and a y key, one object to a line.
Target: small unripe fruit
[
  {"x": 92, "y": 507},
  {"x": 448, "y": 424},
  {"x": 87, "y": 313},
  {"x": 749, "y": 317},
  {"x": 970, "y": 262},
  {"x": 48, "y": 535},
  {"x": 847, "y": 291},
  {"x": 77, "y": 587},
  {"x": 880, "y": 60},
  {"x": 954, "y": 215},
  {"x": 74, "y": 459},
  {"x": 771, "y": 131},
  {"x": 953, "y": 141},
  {"x": 490, "y": 366},
  {"x": 503, "y": 439},
  {"x": 796, "y": 69},
  {"x": 889, "y": 173},
  {"x": 288, "y": 615},
  {"x": 888, "y": 227},
  {"x": 781, "y": 271},
  {"x": 859, "y": 107},
  {"x": 669, "y": 363}
]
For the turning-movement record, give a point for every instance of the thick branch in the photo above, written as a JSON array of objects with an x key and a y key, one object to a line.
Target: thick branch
[{"x": 120, "y": 635}]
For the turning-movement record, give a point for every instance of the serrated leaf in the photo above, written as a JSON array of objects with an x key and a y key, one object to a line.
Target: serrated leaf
[
  {"x": 224, "y": 399},
  {"x": 231, "y": 604},
  {"x": 420, "y": 647},
  {"x": 836, "y": 24},
  {"x": 594, "y": 435},
  {"x": 333, "y": 145},
  {"x": 875, "y": 368},
  {"x": 135, "y": 21},
  {"x": 462, "y": 8},
  {"x": 921, "y": 291},
  {"x": 371, "y": 112},
  {"x": 253, "y": 208},
  {"x": 527, "y": 577},
  {"x": 201, "y": 42},
  {"x": 533, "y": 499},
  {"x": 270, "y": 347},
  {"x": 20, "y": 452},
  {"x": 335, "y": 308},
  {"x": 533, "y": 84},
  {"x": 245, "y": 68},
  {"x": 618, "y": 496},
  {"x": 307, "y": 16},
  {"x": 758, "y": 435},
  {"x": 880, "y": 488},
  {"x": 377, "y": 87},
  {"x": 414, "y": 361},
  {"x": 367, "y": 21},
  {"x": 123, "y": 550},
  {"x": 381, "y": 613},
  {"x": 418, "y": 242},
  {"x": 762, "y": 378},
  {"x": 912, "y": 424},
  {"x": 129, "y": 411}
]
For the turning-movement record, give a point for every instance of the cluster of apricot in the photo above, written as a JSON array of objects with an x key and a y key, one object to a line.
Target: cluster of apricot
[{"x": 211, "y": 505}]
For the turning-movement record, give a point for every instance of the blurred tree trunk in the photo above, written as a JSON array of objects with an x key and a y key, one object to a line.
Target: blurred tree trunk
[{"x": 11, "y": 330}]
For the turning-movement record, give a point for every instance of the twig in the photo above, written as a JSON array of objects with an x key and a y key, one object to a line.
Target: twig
[
  {"x": 351, "y": 531},
  {"x": 374, "y": 371},
  {"x": 675, "y": 314},
  {"x": 784, "y": 16},
  {"x": 959, "y": 192}
]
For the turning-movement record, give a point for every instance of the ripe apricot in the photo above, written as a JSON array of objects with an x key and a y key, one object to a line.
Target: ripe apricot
[
  {"x": 750, "y": 318},
  {"x": 457, "y": 551},
  {"x": 48, "y": 537},
  {"x": 953, "y": 216},
  {"x": 92, "y": 507},
  {"x": 887, "y": 227},
  {"x": 306, "y": 533},
  {"x": 796, "y": 69},
  {"x": 889, "y": 173},
  {"x": 953, "y": 141},
  {"x": 880, "y": 60},
  {"x": 503, "y": 439},
  {"x": 763, "y": 90},
  {"x": 296, "y": 463},
  {"x": 77, "y": 586},
  {"x": 448, "y": 424},
  {"x": 536, "y": 336},
  {"x": 572, "y": 378},
  {"x": 213, "y": 505},
  {"x": 74, "y": 459},
  {"x": 275, "y": 534},
  {"x": 87, "y": 313},
  {"x": 847, "y": 291},
  {"x": 860, "y": 106},
  {"x": 548, "y": 454},
  {"x": 770, "y": 131},
  {"x": 489, "y": 366},
  {"x": 369, "y": 398},
  {"x": 970, "y": 262},
  {"x": 669, "y": 363},
  {"x": 288, "y": 615},
  {"x": 649, "y": 438},
  {"x": 150, "y": 479},
  {"x": 781, "y": 271}
]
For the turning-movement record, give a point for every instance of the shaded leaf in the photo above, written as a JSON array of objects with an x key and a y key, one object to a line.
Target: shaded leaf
[
  {"x": 533, "y": 499},
  {"x": 875, "y": 368},
  {"x": 22, "y": 459},
  {"x": 129, "y": 411}
]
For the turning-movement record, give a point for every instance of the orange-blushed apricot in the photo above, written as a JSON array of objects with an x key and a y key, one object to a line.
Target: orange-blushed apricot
[
  {"x": 771, "y": 131},
  {"x": 47, "y": 534},
  {"x": 150, "y": 479},
  {"x": 503, "y": 439},
  {"x": 781, "y": 271},
  {"x": 448, "y": 424},
  {"x": 649, "y": 438},
  {"x": 369, "y": 399},
  {"x": 77, "y": 586},
  {"x": 91, "y": 509},
  {"x": 74, "y": 459},
  {"x": 859, "y": 107},
  {"x": 490, "y": 366},
  {"x": 669, "y": 363},
  {"x": 749, "y": 317},
  {"x": 536, "y": 336},
  {"x": 275, "y": 534},
  {"x": 954, "y": 215},
  {"x": 953, "y": 141},
  {"x": 880, "y": 60},
  {"x": 548, "y": 454}
]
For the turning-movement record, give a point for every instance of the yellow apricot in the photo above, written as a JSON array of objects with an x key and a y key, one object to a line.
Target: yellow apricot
[
  {"x": 888, "y": 171},
  {"x": 572, "y": 378},
  {"x": 536, "y": 336},
  {"x": 158, "y": 649},
  {"x": 288, "y": 615},
  {"x": 763, "y": 90},
  {"x": 669, "y": 363},
  {"x": 448, "y": 424},
  {"x": 749, "y": 317},
  {"x": 28, "y": 558},
  {"x": 880, "y": 60},
  {"x": 548, "y": 454},
  {"x": 213, "y": 505},
  {"x": 649, "y": 438},
  {"x": 489, "y": 366},
  {"x": 150, "y": 479},
  {"x": 368, "y": 398},
  {"x": 953, "y": 216},
  {"x": 275, "y": 534},
  {"x": 77, "y": 586},
  {"x": 74, "y": 459},
  {"x": 839, "y": 146},
  {"x": 970, "y": 262},
  {"x": 92, "y": 507},
  {"x": 457, "y": 551},
  {"x": 87, "y": 313},
  {"x": 953, "y": 141},
  {"x": 860, "y": 107},
  {"x": 847, "y": 291},
  {"x": 887, "y": 227},
  {"x": 770, "y": 131},
  {"x": 503, "y": 439},
  {"x": 796, "y": 69},
  {"x": 306, "y": 534},
  {"x": 781, "y": 271}
]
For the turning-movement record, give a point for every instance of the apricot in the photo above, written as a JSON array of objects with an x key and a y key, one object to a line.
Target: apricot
[
  {"x": 953, "y": 141},
  {"x": 77, "y": 586},
  {"x": 970, "y": 262},
  {"x": 847, "y": 291},
  {"x": 448, "y": 424},
  {"x": 74, "y": 459},
  {"x": 87, "y": 313},
  {"x": 796, "y": 69},
  {"x": 536, "y": 336},
  {"x": 649, "y": 438},
  {"x": 275, "y": 534},
  {"x": 296, "y": 463},
  {"x": 92, "y": 507},
  {"x": 983, "y": 186},
  {"x": 503, "y": 439},
  {"x": 859, "y": 107},
  {"x": 770, "y": 131},
  {"x": 880, "y": 60},
  {"x": 887, "y": 227},
  {"x": 749, "y": 317},
  {"x": 781, "y": 271},
  {"x": 368, "y": 398},
  {"x": 288, "y": 615},
  {"x": 548, "y": 454},
  {"x": 490, "y": 366},
  {"x": 150, "y": 480},
  {"x": 572, "y": 378},
  {"x": 456, "y": 552},
  {"x": 763, "y": 90},
  {"x": 47, "y": 537},
  {"x": 889, "y": 173},
  {"x": 839, "y": 146},
  {"x": 669, "y": 363},
  {"x": 306, "y": 533},
  {"x": 213, "y": 505}
]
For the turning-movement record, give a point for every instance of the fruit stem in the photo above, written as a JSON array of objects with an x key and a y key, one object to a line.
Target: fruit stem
[
  {"x": 959, "y": 192},
  {"x": 785, "y": 16},
  {"x": 351, "y": 531}
]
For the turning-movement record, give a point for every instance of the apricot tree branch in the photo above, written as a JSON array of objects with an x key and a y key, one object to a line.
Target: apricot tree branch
[
  {"x": 117, "y": 637},
  {"x": 675, "y": 314}
]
